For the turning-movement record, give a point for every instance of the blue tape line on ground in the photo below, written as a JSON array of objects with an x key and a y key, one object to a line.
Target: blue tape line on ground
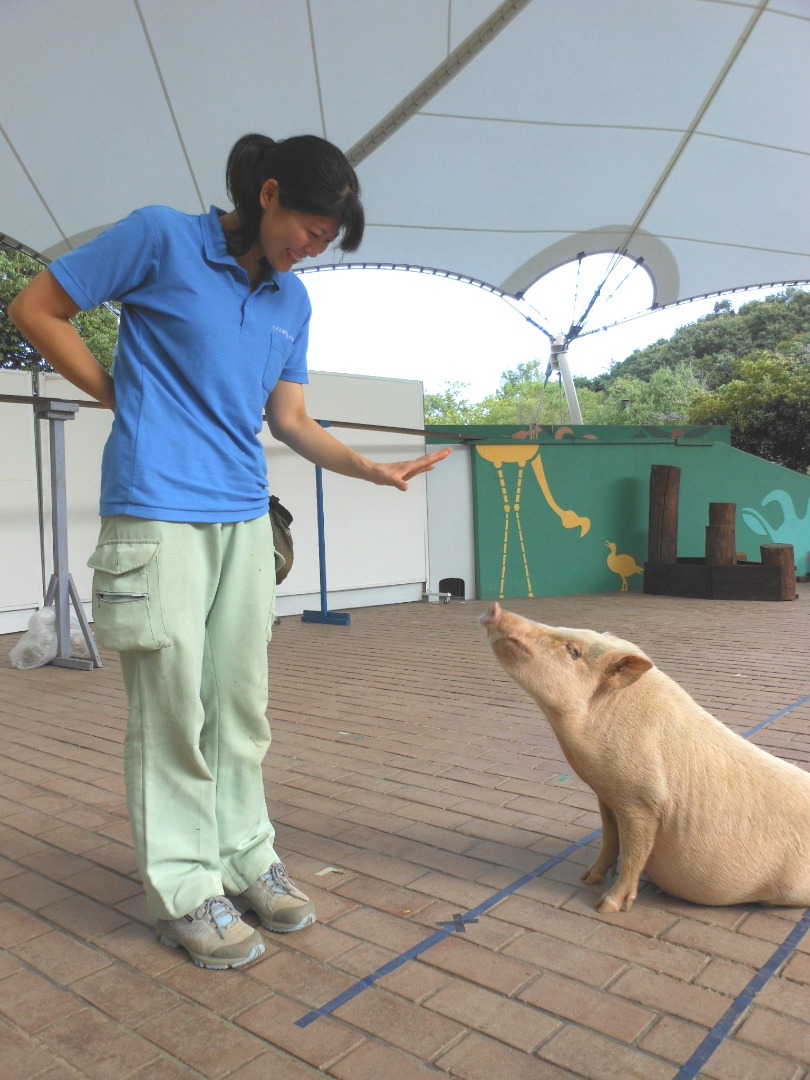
[
  {"x": 369, "y": 980},
  {"x": 487, "y": 905},
  {"x": 776, "y": 716},
  {"x": 440, "y": 935},
  {"x": 722, "y": 1029}
]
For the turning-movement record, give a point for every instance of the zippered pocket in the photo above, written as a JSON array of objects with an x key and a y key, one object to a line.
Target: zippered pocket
[
  {"x": 121, "y": 597},
  {"x": 126, "y": 595}
]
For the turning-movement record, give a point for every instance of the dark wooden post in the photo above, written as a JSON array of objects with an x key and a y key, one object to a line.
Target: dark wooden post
[
  {"x": 662, "y": 537},
  {"x": 781, "y": 555},
  {"x": 721, "y": 537}
]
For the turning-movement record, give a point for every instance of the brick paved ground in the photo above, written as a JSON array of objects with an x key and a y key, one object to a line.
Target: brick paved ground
[{"x": 411, "y": 781}]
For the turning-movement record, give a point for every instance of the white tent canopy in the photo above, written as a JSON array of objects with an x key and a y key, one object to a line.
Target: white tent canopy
[{"x": 494, "y": 141}]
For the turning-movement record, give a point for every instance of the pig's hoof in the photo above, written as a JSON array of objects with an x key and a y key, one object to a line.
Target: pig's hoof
[
  {"x": 611, "y": 902},
  {"x": 607, "y": 905},
  {"x": 593, "y": 876},
  {"x": 598, "y": 871}
]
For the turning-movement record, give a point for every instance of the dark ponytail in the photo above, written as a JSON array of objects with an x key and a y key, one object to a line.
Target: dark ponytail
[{"x": 313, "y": 177}]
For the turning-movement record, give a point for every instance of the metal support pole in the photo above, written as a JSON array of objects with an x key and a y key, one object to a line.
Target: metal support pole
[
  {"x": 559, "y": 362},
  {"x": 62, "y": 590},
  {"x": 333, "y": 618}
]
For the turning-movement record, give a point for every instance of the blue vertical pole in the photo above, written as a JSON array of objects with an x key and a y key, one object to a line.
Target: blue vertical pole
[
  {"x": 321, "y": 538},
  {"x": 334, "y": 618}
]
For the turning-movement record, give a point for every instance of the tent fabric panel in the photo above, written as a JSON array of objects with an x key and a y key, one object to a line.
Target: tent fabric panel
[
  {"x": 679, "y": 128},
  {"x": 370, "y": 56},
  {"x": 746, "y": 220},
  {"x": 427, "y": 248},
  {"x": 761, "y": 98},
  {"x": 587, "y": 62},
  {"x": 86, "y": 149},
  {"x": 220, "y": 89},
  {"x": 23, "y": 212},
  {"x": 526, "y": 179},
  {"x": 707, "y": 268}
]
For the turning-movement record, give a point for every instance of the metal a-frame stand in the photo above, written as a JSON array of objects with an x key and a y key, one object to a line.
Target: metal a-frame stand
[{"x": 62, "y": 591}]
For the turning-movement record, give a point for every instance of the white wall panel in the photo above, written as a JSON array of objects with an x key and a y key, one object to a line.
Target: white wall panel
[{"x": 376, "y": 538}]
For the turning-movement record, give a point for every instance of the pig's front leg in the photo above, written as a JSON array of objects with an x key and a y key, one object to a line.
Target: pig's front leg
[
  {"x": 609, "y": 852},
  {"x": 638, "y": 826}
]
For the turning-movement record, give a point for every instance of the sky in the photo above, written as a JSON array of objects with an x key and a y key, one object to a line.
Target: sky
[{"x": 410, "y": 325}]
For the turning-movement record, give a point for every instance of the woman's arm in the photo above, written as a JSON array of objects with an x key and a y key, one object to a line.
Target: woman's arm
[
  {"x": 42, "y": 312},
  {"x": 289, "y": 423}
]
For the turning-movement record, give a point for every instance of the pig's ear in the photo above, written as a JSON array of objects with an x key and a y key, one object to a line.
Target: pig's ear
[{"x": 624, "y": 669}]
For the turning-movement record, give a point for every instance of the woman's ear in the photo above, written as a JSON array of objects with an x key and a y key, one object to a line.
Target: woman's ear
[{"x": 267, "y": 193}]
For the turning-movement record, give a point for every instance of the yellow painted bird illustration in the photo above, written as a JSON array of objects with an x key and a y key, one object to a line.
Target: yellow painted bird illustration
[{"x": 623, "y": 565}]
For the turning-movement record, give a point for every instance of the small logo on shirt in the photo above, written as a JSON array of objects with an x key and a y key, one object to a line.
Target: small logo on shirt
[{"x": 283, "y": 332}]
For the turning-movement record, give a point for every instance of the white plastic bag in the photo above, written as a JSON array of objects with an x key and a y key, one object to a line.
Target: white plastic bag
[
  {"x": 78, "y": 646},
  {"x": 38, "y": 645}
]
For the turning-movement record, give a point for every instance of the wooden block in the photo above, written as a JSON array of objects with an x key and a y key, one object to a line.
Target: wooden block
[
  {"x": 662, "y": 536},
  {"x": 720, "y": 545},
  {"x": 723, "y": 514},
  {"x": 695, "y": 579},
  {"x": 781, "y": 557},
  {"x": 748, "y": 581},
  {"x": 687, "y": 579}
]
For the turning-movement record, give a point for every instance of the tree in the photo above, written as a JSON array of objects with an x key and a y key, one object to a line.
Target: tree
[
  {"x": 748, "y": 370},
  {"x": 16, "y": 270},
  {"x": 664, "y": 398},
  {"x": 538, "y": 402},
  {"x": 520, "y": 398},
  {"x": 766, "y": 405},
  {"x": 526, "y": 396},
  {"x": 449, "y": 407},
  {"x": 98, "y": 328},
  {"x": 713, "y": 344}
]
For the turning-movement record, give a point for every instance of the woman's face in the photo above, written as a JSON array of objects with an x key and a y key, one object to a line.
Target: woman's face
[{"x": 288, "y": 236}]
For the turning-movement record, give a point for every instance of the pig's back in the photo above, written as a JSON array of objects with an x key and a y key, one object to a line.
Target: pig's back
[{"x": 736, "y": 827}]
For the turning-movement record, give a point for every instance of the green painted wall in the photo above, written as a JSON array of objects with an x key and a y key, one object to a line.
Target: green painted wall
[{"x": 547, "y": 503}]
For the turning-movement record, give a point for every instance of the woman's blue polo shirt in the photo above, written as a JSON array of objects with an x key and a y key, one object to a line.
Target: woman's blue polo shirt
[{"x": 198, "y": 354}]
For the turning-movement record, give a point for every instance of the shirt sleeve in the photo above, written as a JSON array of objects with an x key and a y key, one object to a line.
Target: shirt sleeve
[
  {"x": 114, "y": 264},
  {"x": 295, "y": 368}
]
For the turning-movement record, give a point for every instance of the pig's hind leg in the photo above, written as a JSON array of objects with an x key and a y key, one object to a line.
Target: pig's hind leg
[
  {"x": 608, "y": 857},
  {"x": 638, "y": 827}
]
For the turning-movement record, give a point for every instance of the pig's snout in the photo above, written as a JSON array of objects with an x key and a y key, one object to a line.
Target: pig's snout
[{"x": 491, "y": 617}]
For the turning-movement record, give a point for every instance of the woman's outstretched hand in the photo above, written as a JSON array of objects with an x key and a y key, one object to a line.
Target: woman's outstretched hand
[{"x": 399, "y": 473}]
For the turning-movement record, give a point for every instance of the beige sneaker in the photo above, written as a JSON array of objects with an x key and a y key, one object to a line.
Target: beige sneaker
[
  {"x": 281, "y": 907},
  {"x": 213, "y": 935}
]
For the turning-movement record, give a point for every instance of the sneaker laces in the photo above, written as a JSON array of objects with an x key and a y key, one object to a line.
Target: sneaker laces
[
  {"x": 219, "y": 910},
  {"x": 278, "y": 881}
]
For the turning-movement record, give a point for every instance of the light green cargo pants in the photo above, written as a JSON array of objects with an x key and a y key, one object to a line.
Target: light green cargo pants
[{"x": 190, "y": 608}]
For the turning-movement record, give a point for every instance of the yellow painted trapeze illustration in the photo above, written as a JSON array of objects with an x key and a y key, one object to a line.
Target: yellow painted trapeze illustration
[{"x": 522, "y": 456}]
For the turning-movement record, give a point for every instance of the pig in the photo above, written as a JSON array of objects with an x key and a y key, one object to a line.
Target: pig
[{"x": 708, "y": 816}]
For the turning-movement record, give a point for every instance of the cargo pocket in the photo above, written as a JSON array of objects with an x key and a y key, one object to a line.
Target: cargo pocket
[{"x": 126, "y": 595}]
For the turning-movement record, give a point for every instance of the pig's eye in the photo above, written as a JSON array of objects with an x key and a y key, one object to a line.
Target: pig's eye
[{"x": 573, "y": 651}]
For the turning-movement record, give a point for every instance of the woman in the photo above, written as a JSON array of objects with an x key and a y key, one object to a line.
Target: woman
[{"x": 213, "y": 331}]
